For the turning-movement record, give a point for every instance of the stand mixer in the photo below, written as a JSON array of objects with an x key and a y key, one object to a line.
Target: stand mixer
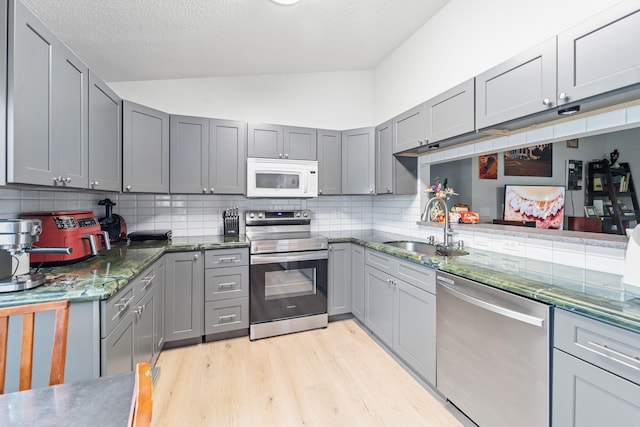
[{"x": 16, "y": 238}]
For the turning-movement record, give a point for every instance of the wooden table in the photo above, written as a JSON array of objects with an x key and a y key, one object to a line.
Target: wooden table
[{"x": 103, "y": 401}]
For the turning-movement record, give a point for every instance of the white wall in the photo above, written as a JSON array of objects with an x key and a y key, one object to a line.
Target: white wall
[
  {"x": 340, "y": 100},
  {"x": 466, "y": 38}
]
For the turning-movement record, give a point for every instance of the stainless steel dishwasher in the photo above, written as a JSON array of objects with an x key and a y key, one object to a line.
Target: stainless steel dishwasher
[{"x": 493, "y": 353}]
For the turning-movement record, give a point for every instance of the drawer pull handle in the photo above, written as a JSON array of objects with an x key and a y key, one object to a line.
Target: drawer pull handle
[
  {"x": 148, "y": 281},
  {"x": 227, "y": 285},
  {"x": 227, "y": 259},
  {"x": 227, "y": 318},
  {"x": 123, "y": 303},
  {"x": 604, "y": 347}
]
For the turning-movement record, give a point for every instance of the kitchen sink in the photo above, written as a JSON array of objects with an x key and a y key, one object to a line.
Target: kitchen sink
[{"x": 425, "y": 248}]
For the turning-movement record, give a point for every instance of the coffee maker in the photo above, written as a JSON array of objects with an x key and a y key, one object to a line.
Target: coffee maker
[{"x": 16, "y": 239}]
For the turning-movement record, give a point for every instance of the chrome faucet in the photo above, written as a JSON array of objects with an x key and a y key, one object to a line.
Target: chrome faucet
[{"x": 425, "y": 217}]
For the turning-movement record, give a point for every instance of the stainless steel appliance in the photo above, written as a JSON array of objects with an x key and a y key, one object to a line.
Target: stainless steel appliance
[
  {"x": 16, "y": 239},
  {"x": 287, "y": 273},
  {"x": 493, "y": 353}
]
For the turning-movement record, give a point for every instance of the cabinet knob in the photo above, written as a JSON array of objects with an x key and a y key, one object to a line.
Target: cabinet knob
[
  {"x": 54, "y": 179},
  {"x": 319, "y": 191},
  {"x": 546, "y": 102},
  {"x": 212, "y": 190},
  {"x": 286, "y": 155},
  {"x": 204, "y": 190},
  {"x": 67, "y": 180},
  {"x": 195, "y": 257},
  {"x": 371, "y": 190},
  {"x": 563, "y": 97},
  {"x": 388, "y": 190},
  {"x": 280, "y": 155},
  {"x": 330, "y": 248},
  {"x": 95, "y": 183},
  {"x": 128, "y": 188}
]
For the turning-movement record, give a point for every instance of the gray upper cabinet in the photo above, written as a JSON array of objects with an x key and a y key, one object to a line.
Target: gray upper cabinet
[
  {"x": 281, "y": 142},
  {"x": 451, "y": 113},
  {"x": 105, "y": 136},
  {"x": 520, "y": 86},
  {"x": 300, "y": 143},
  {"x": 227, "y": 157},
  {"x": 410, "y": 129},
  {"x": 329, "y": 162},
  {"x": 358, "y": 161},
  {"x": 600, "y": 54},
  {"x": 394, "y": 175},
  {"x": 47, "y": 113},
  {"x": 207, "y": 155},
  {"x": 189, "y": 154},
  {"x": 145, "y": 149}
]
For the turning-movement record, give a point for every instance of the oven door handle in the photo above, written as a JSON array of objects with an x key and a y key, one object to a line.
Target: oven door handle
[{"x": 289, "y": 257}]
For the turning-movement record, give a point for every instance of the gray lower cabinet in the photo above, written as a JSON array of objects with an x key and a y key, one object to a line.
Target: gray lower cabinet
[
  {"x": 329, "y": 162},
  {"x": 401, "y": 309},
  {"x": 452, "y": 113},
  {"x": 183, "y": 296},
  {"x": 358, "y": 282},
  {"x": 596, "y": 376},
  {"x": 410, "y": 129},
  {"x": 597, "y": 55},
  {"x": 105, "y": 136},
  {"x": 520, "y": 86},
  {"x": 130, "y": 322},
  {"x": 394, "y": 175},
  {"x": 339, "y": 287},
  {"x": 47, "y": 112},
  {"x": 226, "y": 306},
  {"x": 145, "y": 149},
  {"x": 358, "y": 161}
]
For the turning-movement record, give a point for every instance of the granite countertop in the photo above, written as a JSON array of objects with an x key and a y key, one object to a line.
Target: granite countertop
[
  {"x": 101, "y": 276},
  {"x": 593, "y": 293}
]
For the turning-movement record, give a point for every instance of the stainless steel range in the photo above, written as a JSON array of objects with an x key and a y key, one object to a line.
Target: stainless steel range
[{"x": 287, "y": 273}]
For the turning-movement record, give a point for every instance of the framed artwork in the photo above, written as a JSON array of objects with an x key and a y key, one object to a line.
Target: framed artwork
[
  {"x": 488, "y": 166},
  {"x": 529, "y": 161}
]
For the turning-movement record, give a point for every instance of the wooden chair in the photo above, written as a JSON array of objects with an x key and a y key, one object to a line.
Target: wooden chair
[
  {"x": 142, "y": 399},
  {"x": 56, "y": 373}
]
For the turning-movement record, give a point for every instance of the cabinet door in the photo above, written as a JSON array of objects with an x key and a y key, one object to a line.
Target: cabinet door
[
  {"x": 379, "y": 296},
  {"x": 329, "y": 162},
  {"x": 410, "y": 129},
  {"x": 70, "y": 132},
  {"x": 145, "y": 149},
  {"x": 522, "y": 85},
  {"x": 358, "y": 165},
  {"x": 105, "y": 136},
  {"x": 587, "y": 396},
  {"x": 452, "y": 113},
  {"x": 143, "y": 328},
  {"x": 300, "y": 143},
  {"x": 32, "y": 157},
  {"x": 598, "y": 55},
  {"x": 339, "y": 290},
  {"x": 227, "y": 157},
  {"x": 184, "y": 295},
  {"x": 357, "y": 282},
  {"x": 384, "y": 158},
  {"x": 118, "y": 348},
  {"x": 189, "y": 154},
  {"x": 265, "y": 140},
  {"x": 414, "y": 329}
]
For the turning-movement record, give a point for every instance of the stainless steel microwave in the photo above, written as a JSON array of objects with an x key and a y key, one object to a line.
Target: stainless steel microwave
[{"x": 282, "y": 178}]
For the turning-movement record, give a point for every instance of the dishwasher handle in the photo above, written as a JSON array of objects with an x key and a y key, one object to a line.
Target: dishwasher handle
[{"x": 503, "y": 311}]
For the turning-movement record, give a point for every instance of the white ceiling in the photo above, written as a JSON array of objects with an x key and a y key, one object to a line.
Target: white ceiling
[{"x": 126, "y": 40}]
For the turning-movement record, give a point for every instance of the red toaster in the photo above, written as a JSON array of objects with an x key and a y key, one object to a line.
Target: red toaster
[{"x": 78, "y": 230}]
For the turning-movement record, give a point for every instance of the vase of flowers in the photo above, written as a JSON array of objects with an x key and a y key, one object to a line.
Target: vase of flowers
[{"x": 441, "y": 190}]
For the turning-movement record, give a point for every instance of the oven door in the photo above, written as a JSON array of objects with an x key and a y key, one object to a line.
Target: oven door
[{"x": 285, "y": 285}]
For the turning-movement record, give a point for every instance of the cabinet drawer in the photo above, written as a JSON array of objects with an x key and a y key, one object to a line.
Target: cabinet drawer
[
  {"x": 609, "y": 347},
  {"x": 420, "y": 276},
  {"x": 226, "y": 283},
  {"x": 116, "y": 308},
  {"x": 226, "y": 315},
  {"x": 226, "y": 257},
  {"x": 380, "y": 261}
]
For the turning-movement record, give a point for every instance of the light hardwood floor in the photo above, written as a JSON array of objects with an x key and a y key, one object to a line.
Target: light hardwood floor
[{"x": 338, "y": 376}]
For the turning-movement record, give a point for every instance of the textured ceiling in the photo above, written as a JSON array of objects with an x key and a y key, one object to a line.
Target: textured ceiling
[{"x": 124, "y": 40}]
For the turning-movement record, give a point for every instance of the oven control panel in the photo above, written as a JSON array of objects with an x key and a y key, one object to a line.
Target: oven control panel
[{"x": 277, "y": 217}]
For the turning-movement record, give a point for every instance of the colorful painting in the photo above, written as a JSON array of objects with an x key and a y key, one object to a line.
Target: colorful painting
[
  {"x": 488, "y": 166},
  {"x": 529, "y": 161}
]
